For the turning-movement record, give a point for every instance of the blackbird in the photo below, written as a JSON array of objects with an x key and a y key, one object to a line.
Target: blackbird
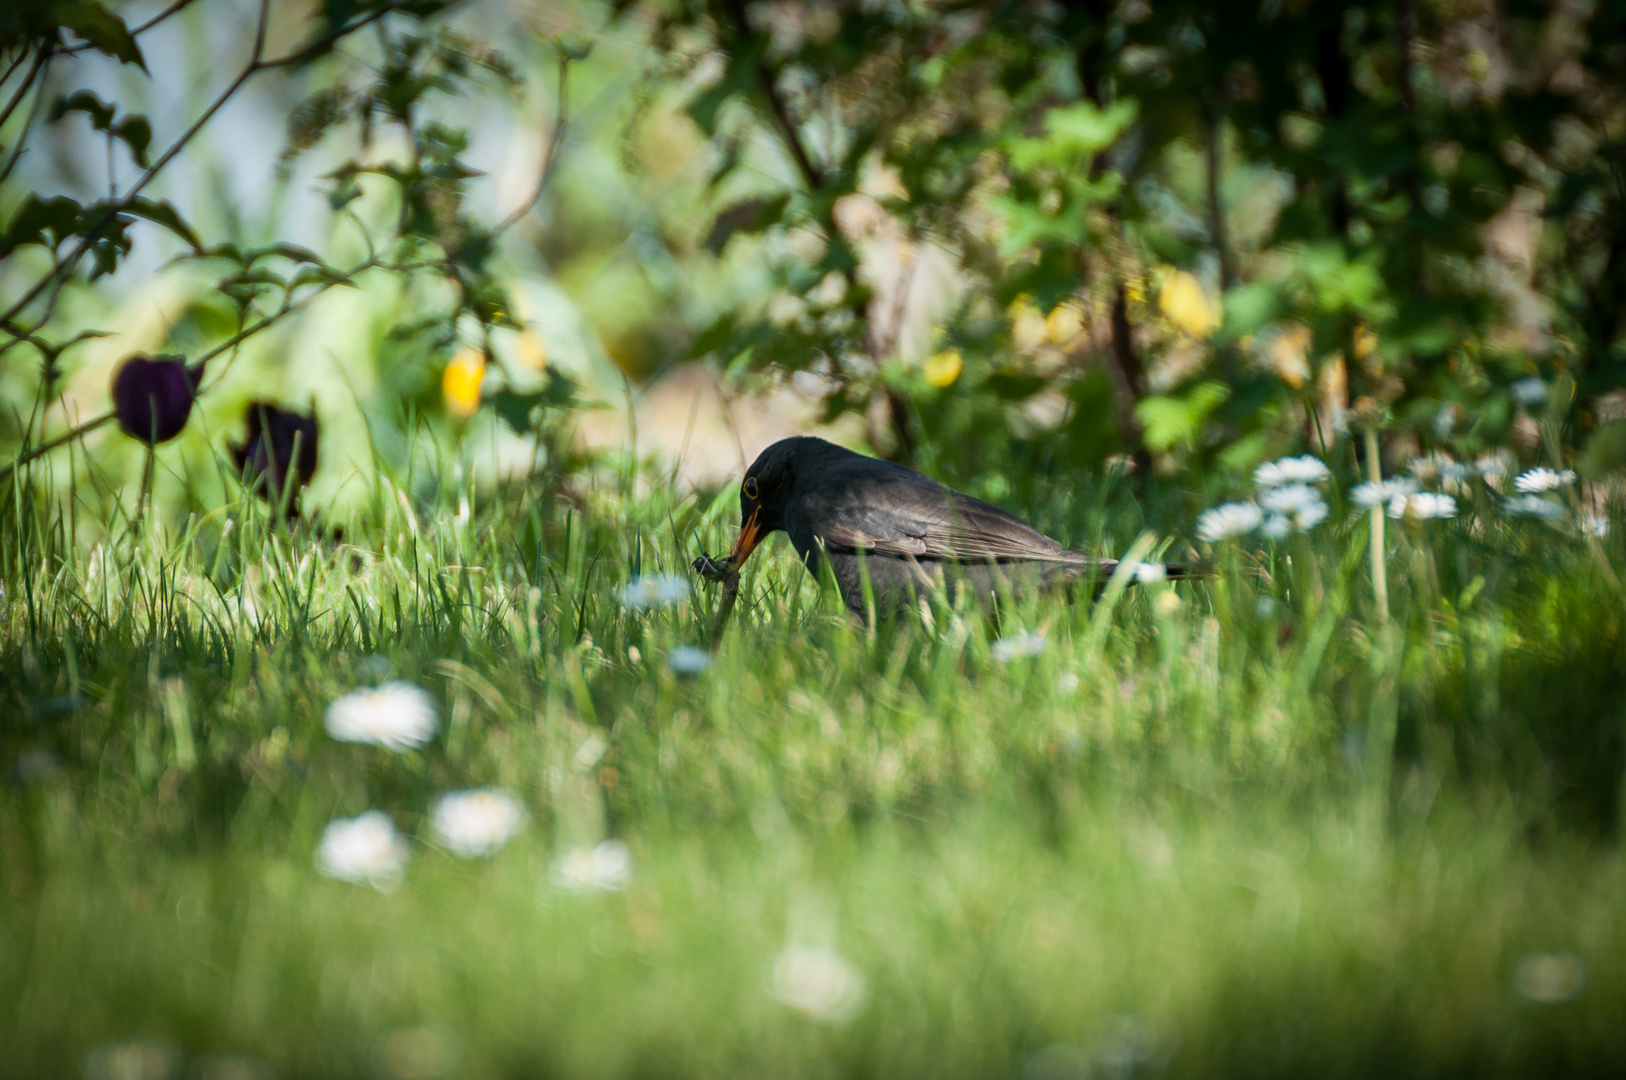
[{"x": 905, "y": 532}]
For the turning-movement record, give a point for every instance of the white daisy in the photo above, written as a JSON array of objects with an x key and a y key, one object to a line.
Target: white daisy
[
  {"x": 1595, "y": 525},
  {"x": 363, "y": 849},
  {"x": 1549, "y": 978},
  {"x": 1148, "y": 573},
  {"x": 1309, "y": 516},
  {"x": 1289, "y": 499},
  {"x": 1381, "y": 492},
  {"x": 818, "y": 983},
  {"x": 1534, "y": 506},
  {"x": 688, "y": 661},
  {"x": 1228, "y": 520},
  {"x": 1294, "y": 516},
  {"x": 1529, "y": 391},
  {"x": 1007, "y": 649},
  {"x": 1423, "y": 505},
  {"x": 1543, "y": 479},
  {"x": 1445, "y": 421},
  {"x": 655, "y": 590},
  {"x": 1305, "y": 469},
  {"x": 473, "y": 823},
  {"x": 1437, "y": 465},
  {"x": 607, "y": 867},
  {"x": 397, "y": 715}
]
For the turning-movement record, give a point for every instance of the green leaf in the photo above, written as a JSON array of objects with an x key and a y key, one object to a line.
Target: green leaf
[
  {"x": 291, "y": 252},
  {"x": 516, "y": 409},
  {"x": 1072, "y": 133},
  {"x": 104, "y": 30},
  {"x": 1168, "y": 421},
  {"x": 746, "y": 216},
  {"x": 101, "y": 113},
  {"x": 713, "y": 337},
  {"x": 739, "y": 77},
  {"x": 347, "y": 192},
  {"x": 1013, "y": 387},
  {"x": 224, "y": 250},
  {"x": 1248, "y": 309},
  {"x": 134, "y": 131},
  {"x": 59, "y": 216},
  {"x": 161, "y": 212},
  {"x": 137, "y": 135},
  {"x": 318, "y": 275}
]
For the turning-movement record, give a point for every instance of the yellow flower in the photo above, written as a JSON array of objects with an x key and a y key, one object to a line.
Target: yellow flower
[
  {"x": 1028, "y": 329},
  {"x": 1289, "y": 355},
  {"x": 1365, "y": 341},
  {"x": 460, "y": 382},
  {"x": 1183, "y": 302},
  {"x": 1064, "y": 323},
  {"x": 941, "y": 369},
  {"x": 532, "y": 352}
]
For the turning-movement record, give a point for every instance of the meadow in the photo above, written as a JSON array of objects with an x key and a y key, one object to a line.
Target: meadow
[{"x": 1242, "y": 825}]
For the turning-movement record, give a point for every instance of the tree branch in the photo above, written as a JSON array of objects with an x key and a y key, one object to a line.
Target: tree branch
[
  {"x": 551, "y": 154},
  {"x": 22, "y": 137},
  {"x": 40, "y": 59},
  {"x": 255, "y": 65}
]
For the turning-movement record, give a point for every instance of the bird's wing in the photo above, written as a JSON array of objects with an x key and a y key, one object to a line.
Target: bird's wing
[{"x": 934, "y": 524}]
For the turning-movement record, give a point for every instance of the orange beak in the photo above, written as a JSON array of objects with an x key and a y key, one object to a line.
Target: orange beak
[{"x": 750, "y": 536}]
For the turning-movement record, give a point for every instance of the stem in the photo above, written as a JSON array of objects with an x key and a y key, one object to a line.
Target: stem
[
  {"x": 1380, "y": 577},
  {"x": 1216, "y": 208},
  {"x": 28, "y": 80},
  {"x": 1406, "y": 26},
  {"x": 1126, "y": 366}
]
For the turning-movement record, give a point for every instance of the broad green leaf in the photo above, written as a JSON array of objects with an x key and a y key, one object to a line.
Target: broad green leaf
[
  {"x": 101, "y": 113},
  {"x": 1169, "y": 421},
  {"x": 1248, "y": 309},
  {"x": 746, "y": 216},
  {"x": 104, "y": 30},
  {"x": 136, "y": 133},
  {"x": 160, "y": 212}
]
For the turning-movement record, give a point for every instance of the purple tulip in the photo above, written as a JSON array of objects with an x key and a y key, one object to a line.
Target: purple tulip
[
  {"x": 280, "y": 444},
  {"x": 153, "y": 396}
]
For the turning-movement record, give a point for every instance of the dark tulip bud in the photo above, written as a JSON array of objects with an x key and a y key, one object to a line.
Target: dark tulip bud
[
  {"x": 153, "y": 396},
  {"x": 281, "y": 445}
]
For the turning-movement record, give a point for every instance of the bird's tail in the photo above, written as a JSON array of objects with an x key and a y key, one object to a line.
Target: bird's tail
[{"x": 1145, "y": 573}]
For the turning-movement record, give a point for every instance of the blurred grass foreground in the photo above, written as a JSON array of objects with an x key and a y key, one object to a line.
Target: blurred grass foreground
[{"x": 373, "y": 371}]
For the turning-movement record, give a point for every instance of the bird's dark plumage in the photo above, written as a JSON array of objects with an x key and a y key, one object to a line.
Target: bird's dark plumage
[{"x": 906, "y": 532}]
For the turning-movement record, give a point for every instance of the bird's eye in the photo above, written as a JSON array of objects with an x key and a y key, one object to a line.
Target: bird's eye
[{"x": 750, "y": 487}]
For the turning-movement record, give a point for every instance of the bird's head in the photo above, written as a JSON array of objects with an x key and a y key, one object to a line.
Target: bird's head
[{"x": 763, "y": 494}]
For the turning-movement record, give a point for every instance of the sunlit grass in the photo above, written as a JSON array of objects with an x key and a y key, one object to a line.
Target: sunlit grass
[{"x": 1223, "y": 826}]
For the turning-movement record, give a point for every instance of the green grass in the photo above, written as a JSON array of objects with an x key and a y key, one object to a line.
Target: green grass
[{"x": 1250, "y": 832}]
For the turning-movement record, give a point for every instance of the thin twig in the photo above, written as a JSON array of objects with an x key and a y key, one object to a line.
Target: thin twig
[
  {"x": 65, "y": 264},
  {"x": 40, "y": 59},
  {"x": 45, "y": 448},
  {"x": 22, "y": 136},
  {"x": 255, "y": 65},
  {"x": 551, "y": 154}
]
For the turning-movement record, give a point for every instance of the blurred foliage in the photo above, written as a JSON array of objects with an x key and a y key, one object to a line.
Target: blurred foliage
[
  {"x": 1331, "y": 177},
  {"x": 1001, "y": 234}
]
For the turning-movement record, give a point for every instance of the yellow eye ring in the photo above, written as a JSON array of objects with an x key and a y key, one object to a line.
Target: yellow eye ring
[{"x": 750, "y": 487}]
